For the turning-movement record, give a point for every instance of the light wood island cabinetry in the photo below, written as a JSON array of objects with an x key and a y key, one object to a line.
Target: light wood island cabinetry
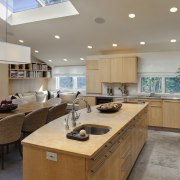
[{"x": 108, "y": 156}]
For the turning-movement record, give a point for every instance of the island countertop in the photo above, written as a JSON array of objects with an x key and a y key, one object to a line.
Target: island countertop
[{"x": 52, "y": 136}]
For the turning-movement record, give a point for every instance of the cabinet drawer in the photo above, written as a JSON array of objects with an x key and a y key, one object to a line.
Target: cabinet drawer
[{"x": 156, "y": 103}]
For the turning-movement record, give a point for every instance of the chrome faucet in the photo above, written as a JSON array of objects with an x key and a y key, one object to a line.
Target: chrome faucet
[
  {"x": 74, "y": 113},
  {"x": 123, "y": 90}
]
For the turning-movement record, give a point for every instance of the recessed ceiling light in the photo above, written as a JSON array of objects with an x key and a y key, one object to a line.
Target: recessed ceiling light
[
  {"x": 173, "y": 40},
  {"x": 21, "y": 41},
  {"x": 50, "y": 60},
  {"x": 65, "y": 59},
  {"x": 132, "y": 15},
  {"x": 173, "y": 9},
  {"x": 114, "y": 45},
  {"x": 82, "y": 59},
  {"x": 36, "y": 51},
  {"x": 142, "y": 43},
  {"x": 57, "y": 36},
  {"x": 89, "y": 47}
]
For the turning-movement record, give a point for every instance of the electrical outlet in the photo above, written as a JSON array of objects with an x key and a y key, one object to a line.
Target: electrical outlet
[{"x": 51, "y": 156}]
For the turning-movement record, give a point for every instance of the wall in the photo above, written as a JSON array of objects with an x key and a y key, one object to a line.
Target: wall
[
  {"x": 4, "y": 82},
  {"x": 154, "y": 64}
]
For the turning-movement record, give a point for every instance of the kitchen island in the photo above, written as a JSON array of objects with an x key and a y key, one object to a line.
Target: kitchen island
[{"x": 48, "y": 154}]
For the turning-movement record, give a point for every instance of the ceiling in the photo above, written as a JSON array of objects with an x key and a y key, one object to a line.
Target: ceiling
[{"x": 153, "y": 24}]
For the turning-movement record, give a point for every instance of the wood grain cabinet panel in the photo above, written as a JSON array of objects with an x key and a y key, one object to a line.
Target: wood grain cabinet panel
[
  {"x": 93, "y": 84},
  {"x": 92, "y": 64},
  {"x": 105, "y": 70},
  {"x": 129, "y": 69},
  {"x": 171, "y": 114}
]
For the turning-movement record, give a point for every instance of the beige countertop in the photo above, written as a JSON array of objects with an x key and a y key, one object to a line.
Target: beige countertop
[{"x": 53, "y": 135}]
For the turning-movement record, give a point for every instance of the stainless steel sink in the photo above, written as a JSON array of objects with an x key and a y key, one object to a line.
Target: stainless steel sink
[
  {"x": 93, "y": 129},
  {"x": 133, "y": 102}
]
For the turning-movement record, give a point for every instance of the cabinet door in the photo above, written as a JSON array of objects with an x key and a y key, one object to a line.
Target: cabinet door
[
  {"x": 129, "y": 68},
  {"x": 116, "y": 70},
  {"x": 106, "y": 170},
  {"x": 105, "y": 70},
  {"x": 155, "y": 114},
  {"x": 171, "y": 114},
  {"x": 92, "y": 64},
  {"x": 93, "y": 84}
]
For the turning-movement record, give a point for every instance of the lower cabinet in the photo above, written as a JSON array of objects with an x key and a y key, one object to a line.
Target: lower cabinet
[
  {"x": 171, "y": 114},
  {"x": 116, "y": 159},
  {"x": 113, "y": 161}
]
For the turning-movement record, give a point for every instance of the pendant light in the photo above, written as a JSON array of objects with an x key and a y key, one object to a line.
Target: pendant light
[{"x": 13, "y": 53}]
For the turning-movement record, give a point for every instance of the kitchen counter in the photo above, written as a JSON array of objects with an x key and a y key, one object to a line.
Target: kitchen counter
[
  {"x": 53, "y": 135},
  {"x": 163, "y": 97}
]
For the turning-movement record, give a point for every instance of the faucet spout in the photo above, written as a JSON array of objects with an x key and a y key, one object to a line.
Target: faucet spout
[{"x": 74, "y": 114}]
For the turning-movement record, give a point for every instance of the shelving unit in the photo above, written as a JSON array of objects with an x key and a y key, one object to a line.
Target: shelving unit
[{"x": 29, "y": 71}]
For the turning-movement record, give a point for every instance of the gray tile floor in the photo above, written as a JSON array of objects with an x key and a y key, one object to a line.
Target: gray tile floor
[{"x": 159, "y": 159}]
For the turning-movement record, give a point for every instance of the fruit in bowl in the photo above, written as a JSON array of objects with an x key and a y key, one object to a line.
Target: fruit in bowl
[
  {"x": 109, "y": 107},
  {"x": 7, "y": 106}
]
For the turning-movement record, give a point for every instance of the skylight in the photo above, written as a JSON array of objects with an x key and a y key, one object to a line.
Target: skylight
[{"x": 23, "y": 5}]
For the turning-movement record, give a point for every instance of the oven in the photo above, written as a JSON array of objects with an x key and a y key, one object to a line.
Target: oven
[{"x": 102, "y": 100}]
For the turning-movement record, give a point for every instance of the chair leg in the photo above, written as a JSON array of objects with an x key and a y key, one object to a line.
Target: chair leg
[
  {"x": 7, "y": 148},
  {"x": 2, "y": 156},
  {"x": 20, "y": 147}
]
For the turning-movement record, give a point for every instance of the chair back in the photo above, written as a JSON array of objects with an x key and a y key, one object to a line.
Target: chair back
[
  {"x": 56, "y": 112},
  {"x": 35, "y": 120},
  {"x": 10, "y": 128}
]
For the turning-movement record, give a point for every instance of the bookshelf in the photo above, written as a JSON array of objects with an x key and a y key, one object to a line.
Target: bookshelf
[{"x": 30, "y": 71}]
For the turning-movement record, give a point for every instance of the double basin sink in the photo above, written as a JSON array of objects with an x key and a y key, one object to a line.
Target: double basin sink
[{"x": 93, "y": 129}]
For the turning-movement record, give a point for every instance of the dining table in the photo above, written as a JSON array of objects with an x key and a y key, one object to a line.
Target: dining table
[{"x": 27, "y": 108}]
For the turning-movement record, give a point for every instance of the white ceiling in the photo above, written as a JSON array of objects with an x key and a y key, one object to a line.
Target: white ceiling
[{"x": 153, "y": 24}]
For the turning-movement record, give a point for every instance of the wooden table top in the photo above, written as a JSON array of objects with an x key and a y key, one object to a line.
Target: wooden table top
[{"x": 27, "y": 108}]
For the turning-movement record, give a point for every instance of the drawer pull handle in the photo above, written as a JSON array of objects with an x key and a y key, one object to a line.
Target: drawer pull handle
[
  {"x": 99, "y": 154},
  {"x": 99, "y": 165},
  {"x": 114, "y": 147}
]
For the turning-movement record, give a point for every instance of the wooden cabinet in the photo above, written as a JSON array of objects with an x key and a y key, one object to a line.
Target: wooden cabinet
[
  {"x": 112, "y": 161},
  {"x": 118, "y": 70},
  {"x": 105, "y": 70},
  {"x": 92, "y": 64},
  {"x": 90, "y": 99},
  {"x": 93, "y": 83},
  {"x": 29, "y": 71},
  {"x": 155, "y": 113},
  {"x": 129, "y": 69},
  {"x": 171, "y": 114}
]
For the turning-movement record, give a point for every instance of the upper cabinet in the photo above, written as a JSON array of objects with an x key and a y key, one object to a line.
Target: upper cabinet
[
  {"x": 118, "y": 70},
  {"x": 93, "y": 83},
  {"x": 92, "y": 64}
]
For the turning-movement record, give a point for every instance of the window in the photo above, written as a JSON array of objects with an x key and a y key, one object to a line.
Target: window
[
  {"x": 151, "y": 84},
  {"x": 23, "y": 5},
  {"x": 172, "y": 85},
  {"x": 71, "y": 82}
]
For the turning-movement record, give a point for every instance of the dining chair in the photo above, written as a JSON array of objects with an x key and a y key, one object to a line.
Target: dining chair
[
  {"x": 56, "y": 112},
  {"x": 34, "y": 120},
  {"x": 10, "y": 132}
]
